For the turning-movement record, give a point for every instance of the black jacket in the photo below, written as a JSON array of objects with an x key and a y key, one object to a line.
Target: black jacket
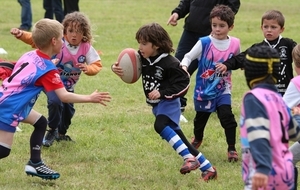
[
  {"x": 284, "y": 48},
  {"x": 198, "y": 13},
  {"x": 164, "y": 73}
]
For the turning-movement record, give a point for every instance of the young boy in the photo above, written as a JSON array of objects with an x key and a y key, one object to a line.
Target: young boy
[
  {"x": 212, "y": 90},
  {"x": 33, "y": 73},
  {"x": 272, "y": 25},
  {"x": 164, "y": 81},
  {"x": 266, "y": 125}
]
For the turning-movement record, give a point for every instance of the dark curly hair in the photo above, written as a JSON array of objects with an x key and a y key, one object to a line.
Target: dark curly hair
[
  {"x": 81, "y": 23},
  {"x": 157, "y": 35}
]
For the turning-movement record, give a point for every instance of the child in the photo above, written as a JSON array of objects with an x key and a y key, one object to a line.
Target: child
[
  {"x": 292, "y": 99},
  {"x": 77, "y": 55},
  {"x": 212, "y": 89},
  {"x": 33, "y": 73},
  {"x": 163, "y": 82},
  {"x": 272, "y": 25},
  {"x": 266, "y": 125}
]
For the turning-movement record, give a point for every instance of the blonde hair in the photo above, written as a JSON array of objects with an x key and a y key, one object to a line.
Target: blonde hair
[
  {"x": 296, "y": 55},
  {"x": 44, "y": 30},
  {"x": 81, "y": 22}
]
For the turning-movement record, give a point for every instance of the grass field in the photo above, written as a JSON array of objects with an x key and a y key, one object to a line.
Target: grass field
[{"x": 116, "y": 146}]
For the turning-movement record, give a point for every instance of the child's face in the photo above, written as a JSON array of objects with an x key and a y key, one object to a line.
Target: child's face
[
  {"x": 271, "y": 29},
  {"x": 220, "y": 28},
  {"x": 147, "y": 49},
  {"x": 74, "y": 34},
  {"x": 58, "y": 42}
]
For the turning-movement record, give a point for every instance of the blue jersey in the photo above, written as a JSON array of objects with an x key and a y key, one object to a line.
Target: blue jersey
[{"x": 18, "y": 93}]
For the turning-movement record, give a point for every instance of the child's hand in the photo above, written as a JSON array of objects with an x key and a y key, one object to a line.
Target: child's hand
[
  {"x": 296, "y": 110},
  {"x": 117, "y": 70},
  {"x": 100, "y": 97},
  {"x": 221, "y": 68},
  {"x": 259, "y": 181},
  {"x": 55, "y": 61},
  {"x": 82, "y": 67},
  {"x": 154, "y": 95},
  {"x": 184, "y": 67},
  {"x": 16, "y": 32}
]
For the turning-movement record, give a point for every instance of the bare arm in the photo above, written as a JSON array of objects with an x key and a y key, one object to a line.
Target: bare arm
[{"x": 95, "y": 97}]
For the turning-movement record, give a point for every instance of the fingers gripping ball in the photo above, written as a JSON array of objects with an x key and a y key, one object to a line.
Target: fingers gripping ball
[{"x": 129, "y": 60}]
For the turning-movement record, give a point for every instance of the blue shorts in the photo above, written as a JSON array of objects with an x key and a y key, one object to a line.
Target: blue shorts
[
  {"x": 171, "y": 109},
  {"x": 6, "y": 127},
  {"x": 211, "y": 105}
]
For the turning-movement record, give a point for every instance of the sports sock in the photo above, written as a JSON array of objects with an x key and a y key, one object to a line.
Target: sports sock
[
  {"x": 4, "y": 151},
  {"x": 175, "y": 141},
  {"x": 204, "y": 163},
  {"x": 36, "y": 139}
]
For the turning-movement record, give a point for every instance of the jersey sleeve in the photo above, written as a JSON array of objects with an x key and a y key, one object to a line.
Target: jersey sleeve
[{"x": 50, "y": 81}]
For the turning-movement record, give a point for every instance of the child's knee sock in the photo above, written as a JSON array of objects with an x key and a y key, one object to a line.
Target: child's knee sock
[
  {"x": 175, "y": 141},
  {"x": 204, "y": 163},
  {"x": 36, "y": 139},
  {"x": 4, "y": 150}
]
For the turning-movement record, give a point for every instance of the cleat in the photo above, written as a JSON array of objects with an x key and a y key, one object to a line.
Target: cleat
[
  {"x": 189, "y": 165},
  {"x": 50, "y": 137},
  {"x": 208, "y": 175},
  {"x": 232, "y": 156},
  {"x": 63, "y": 138},
  {"x": 41, "y": 170},
  {"x": 195, "y": 143}
]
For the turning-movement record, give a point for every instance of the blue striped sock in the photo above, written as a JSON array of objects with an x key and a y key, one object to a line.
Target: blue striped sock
[
  {"x": 175, "y": 141},
  {"x": 204, "y": 163}
]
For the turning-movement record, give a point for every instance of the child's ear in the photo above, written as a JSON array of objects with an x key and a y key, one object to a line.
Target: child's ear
[{"x": 53, "y": 40}]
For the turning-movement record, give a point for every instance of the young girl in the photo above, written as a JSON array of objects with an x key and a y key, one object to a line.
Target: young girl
[
  {"x": 164, "y": 81},
  {"x": 213, "y": 90},
  {"x": 266, "y": 125},
  {"x": 34, "y": 72},
  {"x": 76, "y": 56}
]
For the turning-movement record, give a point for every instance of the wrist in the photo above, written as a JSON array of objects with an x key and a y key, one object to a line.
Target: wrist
[{"x": 20, "y": 33}]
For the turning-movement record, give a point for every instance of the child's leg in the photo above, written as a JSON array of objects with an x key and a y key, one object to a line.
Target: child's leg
[
  {"x": 229, "y": 124},
  {"x": 55, "y": 109},
  {"x": 208, "y": 172},
  {"x": 68, "y": 113},
  {"x": 205, "y": 164},
  {"x": 295, "y": 149},
  {"x": 6, "y": 140},
  {"x": 200, "y": 122},
  {"x": 35, "y": 165},
  {"x": 177, "y": 144},
  {"x": 36, "y": 139}
]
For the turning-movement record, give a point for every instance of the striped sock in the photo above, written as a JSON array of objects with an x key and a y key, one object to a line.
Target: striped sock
[
  {"x": 204, "y": 163},
  {"x": 175, "y": 141}
]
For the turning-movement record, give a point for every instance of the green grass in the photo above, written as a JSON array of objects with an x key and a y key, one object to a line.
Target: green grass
[{"x": 116, "y": 146}]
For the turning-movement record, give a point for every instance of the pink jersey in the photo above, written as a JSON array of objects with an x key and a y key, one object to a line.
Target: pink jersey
[
  {"x": 275, "y": 129},
  {"x": 69, "y": 71}
]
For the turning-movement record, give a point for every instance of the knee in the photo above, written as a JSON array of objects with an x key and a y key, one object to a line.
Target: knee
[
  {"x": 227, "y": 119},
  {"x": 4, "y": 151},
  {"x": 158, "y": 127}
]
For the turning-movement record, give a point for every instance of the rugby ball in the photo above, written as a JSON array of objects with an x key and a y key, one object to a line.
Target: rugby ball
[{"x": 130, "y": 62}]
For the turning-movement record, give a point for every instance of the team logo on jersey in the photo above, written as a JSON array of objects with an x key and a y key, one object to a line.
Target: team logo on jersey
[
  {"x": 208, "y": 73},
  {"x": 81, "y": 59}
]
